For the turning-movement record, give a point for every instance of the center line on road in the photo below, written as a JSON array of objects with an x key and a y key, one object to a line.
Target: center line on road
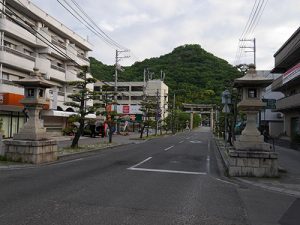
[
  {"x": 166, "y": 149},
  {"x": 181, "y": 142},
  {"x": 136, "y": 165}
]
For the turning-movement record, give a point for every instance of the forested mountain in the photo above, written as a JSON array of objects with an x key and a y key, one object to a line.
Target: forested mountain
[{"x": 199, "y": 74}]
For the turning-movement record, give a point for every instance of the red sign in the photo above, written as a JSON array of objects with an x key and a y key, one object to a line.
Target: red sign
[{"x": 125, "y": 108}]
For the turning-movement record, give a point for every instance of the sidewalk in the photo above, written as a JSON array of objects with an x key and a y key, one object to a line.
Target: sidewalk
[
  {"x": 86, "y": 144},
  {"x": 289, "y": 171}
]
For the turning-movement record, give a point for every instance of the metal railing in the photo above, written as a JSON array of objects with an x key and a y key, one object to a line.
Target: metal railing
[
  {"x": 59, "y": 44},
  {"x": 288, "y": 102},
  {"x": 9, "y": 82},
  {"x": 61, "y": 93},
  {"x": 17, "y": 53},
  {"x": 58, "y": 68},
  {"x": 82, "y": 57}
]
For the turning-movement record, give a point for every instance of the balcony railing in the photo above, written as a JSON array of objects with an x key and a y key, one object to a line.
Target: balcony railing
[
  {"x": 9, "y": 82},
  {"x": 58, "y": 68},
  {"x": 82, "y": 57},
  {"x": 59, "y": 44},
  {"x": 289, "y": 102},
  {"x": 61, "y": 93},
  {"x": 276, "y": 83},
  {"x": 16, "y": 52}
]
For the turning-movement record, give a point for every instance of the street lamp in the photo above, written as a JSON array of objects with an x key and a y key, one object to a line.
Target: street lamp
[{"x": 226, "y": 100}]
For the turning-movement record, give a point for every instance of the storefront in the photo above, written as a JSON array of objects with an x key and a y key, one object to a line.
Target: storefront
[{"x": 13, "y": 120}]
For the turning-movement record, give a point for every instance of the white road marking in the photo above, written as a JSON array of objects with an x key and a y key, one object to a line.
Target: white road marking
[
  {"x": 188, "y": 138},
  {"x": 181, "y": 142},
  {"x": 196, "y": 142},
  {"x": 140, "y": 163},
  {"x": 224, "y": 181},
  {"x": 208, "y": 158},
  {"x": 166, "y": 149},
  {"x": 167, "y": 171}
]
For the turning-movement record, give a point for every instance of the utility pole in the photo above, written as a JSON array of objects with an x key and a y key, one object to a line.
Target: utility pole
[
  {"x": 118, "y": 67},
  {"x": 173, "y": 114},
  {"x": 252, "y": 48},
  {"x": 157, "y": 111}
]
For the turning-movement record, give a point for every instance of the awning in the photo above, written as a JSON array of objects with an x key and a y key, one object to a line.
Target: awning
[{"x": 64, "y": 114}]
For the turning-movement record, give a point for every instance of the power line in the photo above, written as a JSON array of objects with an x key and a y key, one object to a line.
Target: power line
[
  {"x": 92, "y": 21},
  {"x": 88, "y": 26},
  {"x": 98, "y": 32},
  {"x": 253, "y": 19}
]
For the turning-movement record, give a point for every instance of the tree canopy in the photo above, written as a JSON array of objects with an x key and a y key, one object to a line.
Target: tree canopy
[{"x": 199, "y": 73}]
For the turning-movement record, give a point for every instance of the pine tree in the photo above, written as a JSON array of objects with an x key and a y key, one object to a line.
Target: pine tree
[
  {"x": 148, "y": 107},
  {"x": 80, "y": 99}
]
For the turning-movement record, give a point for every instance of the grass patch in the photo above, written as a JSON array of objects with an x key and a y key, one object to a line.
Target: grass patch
[
  {"x": 84, "y": 148},
  {"x": 3, "y": 158}
]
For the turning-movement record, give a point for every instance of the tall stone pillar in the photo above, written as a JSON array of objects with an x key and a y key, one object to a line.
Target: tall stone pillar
[
  {"x": 252, "y": 156},
  {"x": 31, "y": 144}
]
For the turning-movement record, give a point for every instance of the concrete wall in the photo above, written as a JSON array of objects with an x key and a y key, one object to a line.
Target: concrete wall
[
  {"x": 275, "y": 128},
  {"x": 287, "y": 121},
  {"x": 1, "y": 145}
]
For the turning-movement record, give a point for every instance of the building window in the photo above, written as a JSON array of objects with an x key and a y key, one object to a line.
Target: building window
[
  {"x": 41, "y": 93},
  {"x": 137, "y": 88},
  {"x": 252, "y": 93},
  {"x": 5, "y": 76},
  {"x": 108, "y": 88},
  {"x": 123, "y": 88},
  {"x": 123, "y": 97},
  {"x": 97, "y": 88},
  {"x": 136, "y": 97},
  {"x": 30, "y": 92},
  {"x": 9, "y": 44},
  {"x": 27, "y": 52}
]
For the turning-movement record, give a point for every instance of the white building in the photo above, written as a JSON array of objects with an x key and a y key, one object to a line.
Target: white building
[
  {"x": 270, "y": 120},
  {"x": 29, "y": 38},
  {"x": 130, "y": 95}
]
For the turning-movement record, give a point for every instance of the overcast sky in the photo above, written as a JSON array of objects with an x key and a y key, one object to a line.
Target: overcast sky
[{"x": 150, "y": 28}]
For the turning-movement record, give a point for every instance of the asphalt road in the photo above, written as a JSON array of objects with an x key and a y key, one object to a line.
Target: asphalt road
[{"x": 171, "y": 180}]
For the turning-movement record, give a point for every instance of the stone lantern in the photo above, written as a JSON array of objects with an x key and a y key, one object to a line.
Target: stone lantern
[
  {"x": 252, "y": 156},
  {"x": 31, "y": 144}
]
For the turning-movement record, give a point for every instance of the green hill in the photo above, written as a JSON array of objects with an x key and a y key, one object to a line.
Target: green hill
[{"x": 201, "y": 75}]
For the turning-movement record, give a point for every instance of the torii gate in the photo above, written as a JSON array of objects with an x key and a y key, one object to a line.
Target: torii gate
[{"x": 202, "y": 109}]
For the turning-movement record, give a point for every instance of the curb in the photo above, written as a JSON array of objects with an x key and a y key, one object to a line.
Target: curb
[
  {"x": 270, "y": 188},
  {"x": 65, "y": 157},
  {"x": 257, "y": 184}
]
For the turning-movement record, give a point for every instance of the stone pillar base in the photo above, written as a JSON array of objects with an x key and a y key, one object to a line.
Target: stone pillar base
[
  {"x": 35, "y": 152},
  {"x": 252, "y": 164},
  {"x": 252, "y": 146}
]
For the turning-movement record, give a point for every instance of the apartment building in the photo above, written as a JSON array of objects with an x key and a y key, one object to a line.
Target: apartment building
[
  {"x": 287, "y": 62},
  {"x": 29, "y": 38},
  {"x": 130, "y": 95}
]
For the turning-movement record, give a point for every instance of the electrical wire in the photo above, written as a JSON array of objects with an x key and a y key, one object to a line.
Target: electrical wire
[
  {"x": 82, "y": 21},
  {"x": 253, "y": 19},
  {"x": 95, "y": 24},
  {"x": 34, "y": 32},
  {"x": 99, "y": 33}
]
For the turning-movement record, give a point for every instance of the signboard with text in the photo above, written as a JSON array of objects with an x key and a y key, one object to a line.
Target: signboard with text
[
  {"x": 128, "y": 109},
  {"x": 271, "y": 103}
]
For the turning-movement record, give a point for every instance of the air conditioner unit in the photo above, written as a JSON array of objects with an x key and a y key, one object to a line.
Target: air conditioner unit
[{"x": 279, "y": 115}]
